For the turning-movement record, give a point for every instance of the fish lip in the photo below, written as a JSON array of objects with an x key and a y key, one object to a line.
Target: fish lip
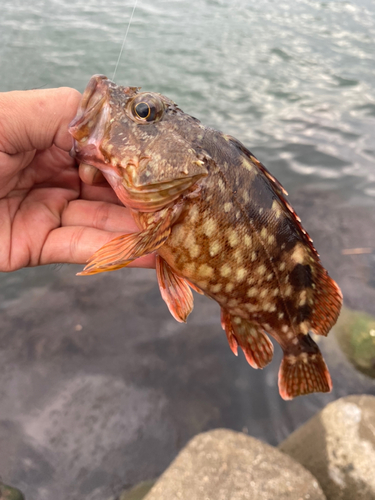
[
  {"x": 88, "y": 126},
  {"x": 94, "y": 86}
]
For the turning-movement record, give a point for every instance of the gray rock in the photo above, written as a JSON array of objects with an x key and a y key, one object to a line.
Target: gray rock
[
  {"x": 226, "y": 465},
  {"x": 338, "y": 447}
]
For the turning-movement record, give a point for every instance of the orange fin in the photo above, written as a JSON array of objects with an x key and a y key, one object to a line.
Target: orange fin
[
  {"x": 175, "y": 291},
  {"x": 256, "y": 346},
  {"x": 194, "y": 287},
  {"x": 226, "y": 325},
  {"x": 327, "y": 304},
  {"x": 122, "y": 250},
  {"x": 303, "y": 370}
]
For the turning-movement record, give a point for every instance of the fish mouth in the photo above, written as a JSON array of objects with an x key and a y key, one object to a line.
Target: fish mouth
[{"x": 90, "y": 123}]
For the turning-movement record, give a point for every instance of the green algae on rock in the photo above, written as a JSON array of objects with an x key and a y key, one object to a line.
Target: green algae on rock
[
  {"x": 9, "y": 493},
  {"x": 355, "y": 332}
]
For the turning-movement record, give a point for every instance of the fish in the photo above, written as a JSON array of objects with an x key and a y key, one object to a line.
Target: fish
[{"x": 219, "y": 224}]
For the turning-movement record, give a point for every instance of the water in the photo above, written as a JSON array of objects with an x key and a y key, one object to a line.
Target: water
[{"x": 295, "y": 82}]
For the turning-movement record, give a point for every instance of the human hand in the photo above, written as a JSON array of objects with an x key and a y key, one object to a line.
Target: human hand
[{"x": 47, "y": 215}]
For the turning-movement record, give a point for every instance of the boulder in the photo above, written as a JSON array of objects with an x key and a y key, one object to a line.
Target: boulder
[
  {"x": 338, "y": 447},
  {"x": 227, "y": 465}
]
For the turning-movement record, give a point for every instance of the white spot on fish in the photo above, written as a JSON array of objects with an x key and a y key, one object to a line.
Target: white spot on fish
[
  {"x": 261, "y": 269},
  {"x": 304, "y": 327},
  {"x": 302, "y": 298},
  {"x": 298, "y": 254},
  {"x": 276, "y": 208},
  {"x": 241, "y": 274},
  {"x": 232, "y": 237},
  {"x": 252, "y": 292},
  {"x": 225, "y": 270},
  {"x": 215, "y": 248},
  {"x": 206, "y": 271},
  {"x": 209, "y": 227},
  {"x": 247, "y": 240},
  {"x": 216, "y": 288}
]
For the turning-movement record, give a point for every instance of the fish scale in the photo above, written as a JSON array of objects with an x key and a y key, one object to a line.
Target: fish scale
[{"x": 218, "y": 222}]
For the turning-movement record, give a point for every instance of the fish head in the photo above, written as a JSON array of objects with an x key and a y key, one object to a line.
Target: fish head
[{"x": 134, "y": 138}]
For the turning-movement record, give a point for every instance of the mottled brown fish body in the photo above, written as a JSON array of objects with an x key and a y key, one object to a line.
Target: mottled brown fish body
[{"x": 219, "y": 223}]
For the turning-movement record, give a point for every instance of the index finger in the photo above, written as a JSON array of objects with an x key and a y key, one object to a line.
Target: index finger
[{"x": 36, "y": 119}]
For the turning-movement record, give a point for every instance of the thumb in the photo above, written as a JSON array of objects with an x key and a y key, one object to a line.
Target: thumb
[{"x": 36, "y": 119}]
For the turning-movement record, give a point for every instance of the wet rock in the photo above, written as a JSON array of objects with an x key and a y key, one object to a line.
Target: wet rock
[
  {"x": 355, "y": 332},
  {"x": 226, "y": 465},
  {"x": 9, "y": 493},
  {"x": 338, "y": 447}
]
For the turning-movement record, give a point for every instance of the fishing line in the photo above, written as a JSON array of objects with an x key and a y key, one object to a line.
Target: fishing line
[{"x": 123, "y": 42}]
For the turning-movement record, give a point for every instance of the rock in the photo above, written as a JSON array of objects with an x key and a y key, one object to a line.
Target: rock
[
  {"x": 138, "y": 492},
  {"x": 355, "y": 332},
  {"x": 338, "y": 447},
  {"x": 226, "y": 465}
]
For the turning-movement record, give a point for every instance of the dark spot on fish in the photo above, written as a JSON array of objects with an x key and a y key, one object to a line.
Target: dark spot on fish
[
  {"x": 260, "y": 193},
  {"x": 286, "y": 235},
  {"x": 301, "y": 277},
  {"x": 303, "y": 313},
  {"x": 305, "y": 344}
]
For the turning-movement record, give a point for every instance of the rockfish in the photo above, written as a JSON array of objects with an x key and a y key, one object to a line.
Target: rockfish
[{"x": 218, "y": 223}]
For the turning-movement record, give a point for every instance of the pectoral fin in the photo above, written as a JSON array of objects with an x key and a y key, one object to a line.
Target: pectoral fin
[
  {"x": 124, "y": 249},
  {"x": 175, "y": 291}
]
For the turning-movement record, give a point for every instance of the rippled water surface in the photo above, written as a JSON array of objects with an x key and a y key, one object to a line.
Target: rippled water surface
[
  {"x": 99, "y": 387},
  {"x": 295, "y": 81}
]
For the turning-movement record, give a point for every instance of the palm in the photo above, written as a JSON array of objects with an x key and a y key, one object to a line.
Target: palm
[
  {"x": 32, "y": 204},
  {"x": 48, "y": 215}
]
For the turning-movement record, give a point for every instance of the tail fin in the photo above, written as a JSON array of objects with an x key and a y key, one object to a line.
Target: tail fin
[{"x": 303, "y": 371}]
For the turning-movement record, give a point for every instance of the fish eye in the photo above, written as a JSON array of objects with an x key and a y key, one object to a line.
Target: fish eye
[
  {"x": 146, "y": 108},
  {"x": 142, "y": 110}
]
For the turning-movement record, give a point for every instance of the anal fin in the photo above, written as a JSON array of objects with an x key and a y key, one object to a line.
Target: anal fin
[
  {"x": 174, "y": 290},
  {"x": 303, "y": 370},
  {"x": 122, "y": 250},
  {"x": 256, "y": 346}
]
